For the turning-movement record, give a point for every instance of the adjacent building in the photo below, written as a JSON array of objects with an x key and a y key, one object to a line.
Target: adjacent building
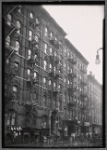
[{"x": 94, "y": 105}]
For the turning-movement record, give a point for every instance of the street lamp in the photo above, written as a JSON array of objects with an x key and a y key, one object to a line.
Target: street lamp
[{"x": 97, "y": 61}]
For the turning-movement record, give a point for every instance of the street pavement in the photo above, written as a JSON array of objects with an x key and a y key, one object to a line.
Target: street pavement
[{"x": 57, "y": 144}]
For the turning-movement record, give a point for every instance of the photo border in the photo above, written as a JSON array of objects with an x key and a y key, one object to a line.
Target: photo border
[{"x": 80, "y": 2}]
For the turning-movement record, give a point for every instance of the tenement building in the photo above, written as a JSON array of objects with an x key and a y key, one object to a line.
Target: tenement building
[
  {"x": 46, "y": 82},
  {"x": 75, "y": 88},
  {"x": 94, "y": 105}
]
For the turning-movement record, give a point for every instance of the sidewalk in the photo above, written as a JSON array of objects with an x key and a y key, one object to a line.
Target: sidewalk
[{"x": 55, "y": 144}]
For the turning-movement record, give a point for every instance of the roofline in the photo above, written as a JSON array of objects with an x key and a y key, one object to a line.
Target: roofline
[
  {"x": 95, "y": 80},
  {"x": 45, "y": 13},
  {"x": 76, "y": 51}
]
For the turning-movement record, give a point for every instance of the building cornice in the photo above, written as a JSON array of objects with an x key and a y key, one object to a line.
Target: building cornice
[{"x": 72, "y": 48}]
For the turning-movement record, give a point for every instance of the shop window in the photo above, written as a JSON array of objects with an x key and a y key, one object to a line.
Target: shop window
[
  {"x": 7, "y": 41},
  {"x": 30, "y": 35},
  {"x": 10, "y": 118},
  {"x": 29, "y": 53},
  {"x": 18, "y": 24},
  {"x": 31, "y": 15},
  {"x": 17, "y": 47},
  {"x": 45, "y": 64},
  {"x": 9, "y": 19}
]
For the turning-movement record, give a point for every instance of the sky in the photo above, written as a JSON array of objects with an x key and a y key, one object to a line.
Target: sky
[{"x": 83, "y": 25}]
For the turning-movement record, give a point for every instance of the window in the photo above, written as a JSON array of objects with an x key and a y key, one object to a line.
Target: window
[
  {"x": 68, "y": 68},
  {"x": 59, "y": 87},
  {"x": 50, "y": 50},
  {"x": 36, "y": 38},
  {"x": 30, "y": 35},
  {"x": 59, "y": 71},
  {"x": 71, "y": 70},
  {"x": 44, "y": 81},
  {"x": 31, "y": 15},
  {"x": 15, "y": 89},
  {"x": 64, "y": 65},
  {"x": 7, "y": 61},
  {"x": 45, "y": 48},
  {"x": 46, "y": 31},
  {"x": 28, "y": 72},
  {"x": 65, "y": 51},
  {"x": 45, "y": 65},
  {"x": 55, "y": 54},
  {"x": 35, "y": 75},
  {"x": 68, "y": 82},
  {"x": 13, "y": 116},
  {"x": 16, "y": 64},
  {"x": 35, "y": 57},
  {"x": 9, "y": 19},
  {"x": 29, "y": 53},
  {"x": 18, "y": 24},
  {"x": 60, "y": 44},
  {"x": 50, "y": 82},
  {"x": 44, "y": 101},
  {"x": 51, "y": 35},
  {"x": 17, "y": 47},
  {"x": 54, "y": 84},
  {"x": 37, "y": 21},
  {"x": 64, "y": 80},
  {"x": 54, "y": 69},
  {"x": 7, "y": 41},
  {"x": 56, "y": 39},
  {"x": 19, "y": 10},
  {"x": 68, "y": 53},
  {"x": 50, "y": 67}
]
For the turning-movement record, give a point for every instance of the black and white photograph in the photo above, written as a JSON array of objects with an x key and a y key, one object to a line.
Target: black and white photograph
[{"x": 53, "y": 83}]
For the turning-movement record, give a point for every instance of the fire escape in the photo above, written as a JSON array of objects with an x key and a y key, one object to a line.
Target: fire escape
[{"x": 11, "y": 68}]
